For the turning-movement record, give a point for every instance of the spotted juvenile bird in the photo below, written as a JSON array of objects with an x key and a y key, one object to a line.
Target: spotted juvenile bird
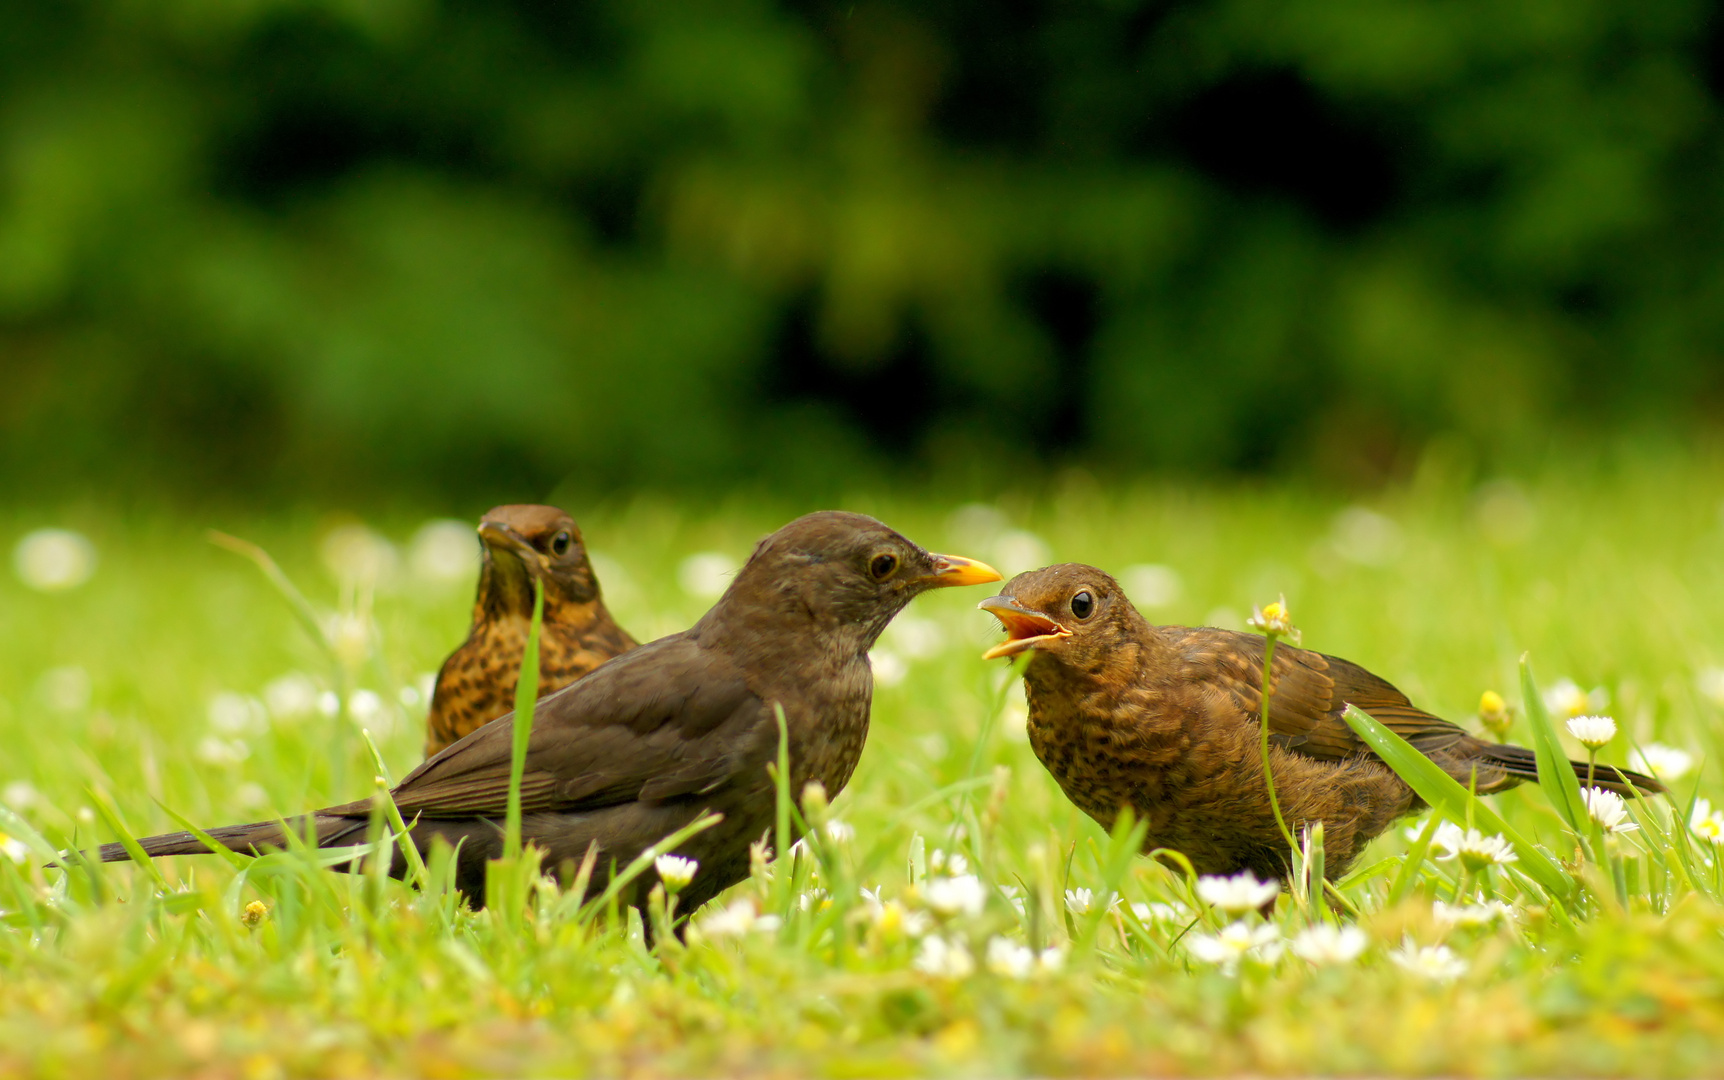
[
  {"x": 477, "y": 682},
  {"x": 686, "y": 724},
  {"x": 1165, "y": 720}
]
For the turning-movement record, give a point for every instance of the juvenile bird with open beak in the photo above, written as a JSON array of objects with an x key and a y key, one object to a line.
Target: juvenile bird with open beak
[
  {"x": 672, "y": 730},
  {"x": 477, "y": 682},
  {"x": 1165, "y": 720}
]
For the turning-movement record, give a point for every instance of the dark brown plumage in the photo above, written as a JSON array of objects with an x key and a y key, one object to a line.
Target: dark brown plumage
[
  {"x": 477, "y": 683},
  {"x": 1165, "y": 720},
  {"x": 682, "y": 725}
]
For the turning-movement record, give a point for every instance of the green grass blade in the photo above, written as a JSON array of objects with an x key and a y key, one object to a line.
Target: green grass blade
[
  {"x": 291, "y": 863},
  {"x": 1697, "y": 875},
  {"x": 1409, "y": 875},
  {"x": 296, "y": 600},
  {"x": 526, "y": 696},
  {"x": 1447, "y": 797},
  {"x": 307, "y": 616},
  {"x": 781, "y": 786},
  {"x": 1124, "y": 842},
  {"x": 417, "y": 875},
  {"x": 1555, "y": 775},
  {"x": 886, "y": 846},
  {"x": 620, "y": 881},
  {"x": 111, "y": 817},
  {"x": 228, "y": 855},
  {"x": 13, "y": 825}
]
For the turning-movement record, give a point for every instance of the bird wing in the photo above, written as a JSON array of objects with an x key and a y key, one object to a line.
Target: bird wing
[
  {"x": 669, "y": 719},
  {"x": 1310, "y": 690}
]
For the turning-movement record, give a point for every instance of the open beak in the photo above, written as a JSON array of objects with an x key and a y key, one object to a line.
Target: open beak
[
  {"x": 500, "y": 538},
  {"x": 1025, "y": 629},
  {"x": 956, "y": 570}
]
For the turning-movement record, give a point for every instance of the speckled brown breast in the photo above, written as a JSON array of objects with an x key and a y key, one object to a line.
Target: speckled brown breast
[
  {"x": 477, "y": 683},
  {"x": 1101, "y": 758},
  {"x": 1199, "y": 783}
]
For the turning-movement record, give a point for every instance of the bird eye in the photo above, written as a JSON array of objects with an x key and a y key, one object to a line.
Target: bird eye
[
  {"x": 882, "y": 566},
  {"x": 1083, "y": 604},
  {"x": 560, "y": 543}
]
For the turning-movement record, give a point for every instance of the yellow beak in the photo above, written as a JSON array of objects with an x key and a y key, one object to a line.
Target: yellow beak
[{"x": 956, "y": 570}]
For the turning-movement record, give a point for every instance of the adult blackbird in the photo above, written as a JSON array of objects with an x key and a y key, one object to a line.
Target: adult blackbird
[
  {"x": 1165, "y": 720},
  {"x": 682, "y": 725},
  {"x": 477, "y": 683}
]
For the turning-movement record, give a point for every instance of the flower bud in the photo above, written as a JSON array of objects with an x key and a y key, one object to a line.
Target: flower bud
[
  {"x": 1275, "y": 620},
  {"x": 1494, "y": 713},
  {"x": 814, "y": 802}
]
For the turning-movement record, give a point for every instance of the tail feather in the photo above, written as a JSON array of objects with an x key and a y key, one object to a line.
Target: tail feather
[
  {"x": 256, "y": 838},
  {"x": 1520, "y": 762}
]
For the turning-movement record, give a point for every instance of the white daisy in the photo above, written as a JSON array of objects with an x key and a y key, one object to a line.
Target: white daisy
[
  {"x": 675, "y": 871},
  {"x": 1608, "y": 809},
  {"x": 1592, "y": 731},
  {"x": 1707, "y": 823},
  {"x": 892, "y": 919},
  {"x": 1274, "y": 619},
  {"x": 947, "y": 959},
  {"x": 1326, "y": 944},
  {"x": 739, "y": 918},
  {"x": 1664, "y": 762},
  {"x": 1235, "y": 942},
  {"x": 54, "y": 560},
  {"x": 1237, "y": 894},
  {"x": 1437, "y": 963},
  {"x": 1565, "y": 699},
  {"x": 1475, "y": 850},
  {"x": 1010, "y": 959},
  {"x": 954, "y": 864},
  {"x": 964, "y": 894},
  {"x": 1471, "y": 914},
  {"x": 1157, "y": 912},
  {"x": 1083, "y": 901}
]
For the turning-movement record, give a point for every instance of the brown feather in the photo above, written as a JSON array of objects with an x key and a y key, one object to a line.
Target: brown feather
[
  {"x": 476, "y": 684},
  {"x": 1165, "y": 720},
  {"x": 682, "y": 727}
]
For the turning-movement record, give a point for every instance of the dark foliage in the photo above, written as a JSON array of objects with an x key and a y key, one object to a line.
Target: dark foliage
[{"x": 461, "y": 245}]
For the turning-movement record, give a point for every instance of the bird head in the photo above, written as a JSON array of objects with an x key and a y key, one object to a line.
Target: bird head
[
  {"x": 525, "y": 542},
  {"x": 843, "y": 572},
  {"x": 1070, "y": 612}
]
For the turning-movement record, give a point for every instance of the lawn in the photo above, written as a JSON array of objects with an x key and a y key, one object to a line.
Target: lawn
[{"x": 177, "y": 680}]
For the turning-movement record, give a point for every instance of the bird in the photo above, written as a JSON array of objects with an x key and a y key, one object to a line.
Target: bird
[
  {"x": 1165, "y": 720},
  {"x": 655, "y": 739},
  {"x": 476, "y": 684}
]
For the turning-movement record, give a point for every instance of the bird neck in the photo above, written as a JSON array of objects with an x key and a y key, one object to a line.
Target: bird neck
[
  {"x": 506, "y": 592},
  {"x": 813, "y": 663},
  {"x": 1125, "y": 653},
  {"x": 781, "y": 642}
]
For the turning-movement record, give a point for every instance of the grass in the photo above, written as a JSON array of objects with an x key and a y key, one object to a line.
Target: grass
[{"x": 138, "y": 697}]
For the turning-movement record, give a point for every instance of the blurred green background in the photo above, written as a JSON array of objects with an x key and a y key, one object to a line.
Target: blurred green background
[{"x": 458, "y": 248}]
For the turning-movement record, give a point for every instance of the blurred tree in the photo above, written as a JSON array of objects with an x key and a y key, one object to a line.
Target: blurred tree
[{"x": 292, "y": 243}]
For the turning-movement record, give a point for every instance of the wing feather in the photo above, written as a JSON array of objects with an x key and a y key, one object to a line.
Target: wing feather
[
  {"x": 1310, "y": 690},
  {"x": 669, "y": 719}
]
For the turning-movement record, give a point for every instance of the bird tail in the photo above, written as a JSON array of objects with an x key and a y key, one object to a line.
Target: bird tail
[
  {"x": 319, "y": 830},
  {"x": 1520, "y": 762}
]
